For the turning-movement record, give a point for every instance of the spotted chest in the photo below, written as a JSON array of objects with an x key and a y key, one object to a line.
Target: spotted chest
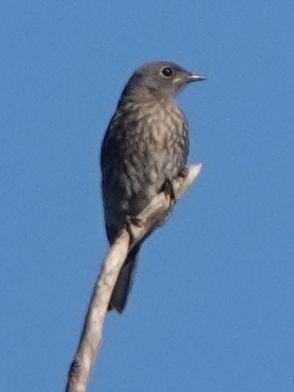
[{"x": 157, "y": 140}]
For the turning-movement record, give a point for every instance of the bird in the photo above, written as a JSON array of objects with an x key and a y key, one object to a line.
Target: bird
[{"x": 144, "y": 148}]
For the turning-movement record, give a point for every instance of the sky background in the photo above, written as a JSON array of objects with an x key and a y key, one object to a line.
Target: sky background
[{"x": 212, "y": 305}]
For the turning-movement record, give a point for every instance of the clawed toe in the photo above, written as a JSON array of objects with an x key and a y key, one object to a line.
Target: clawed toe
[
  {"x": 168, "y": 189},
  {"x": 184, "y": 172},
  {"x": 132, "y": 221}
]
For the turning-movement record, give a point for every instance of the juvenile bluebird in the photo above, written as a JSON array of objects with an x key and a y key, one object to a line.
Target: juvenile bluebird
[{"x": 144, "y": 148}]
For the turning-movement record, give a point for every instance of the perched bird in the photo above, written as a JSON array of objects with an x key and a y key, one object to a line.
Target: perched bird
[{"x": 144, "y": 148}]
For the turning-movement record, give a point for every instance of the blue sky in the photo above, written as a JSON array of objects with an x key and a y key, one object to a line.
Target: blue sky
[{"x": 212, "y": 305}]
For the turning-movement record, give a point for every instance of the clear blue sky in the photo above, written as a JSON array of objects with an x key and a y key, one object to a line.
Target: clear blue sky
[{"x": 212, "y": 305}]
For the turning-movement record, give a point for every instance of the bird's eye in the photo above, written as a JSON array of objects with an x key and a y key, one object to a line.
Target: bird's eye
[{"x": 167, "y": 72}]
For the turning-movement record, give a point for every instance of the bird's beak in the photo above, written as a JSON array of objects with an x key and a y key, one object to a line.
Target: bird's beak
[{"x": 195, "y": 78}]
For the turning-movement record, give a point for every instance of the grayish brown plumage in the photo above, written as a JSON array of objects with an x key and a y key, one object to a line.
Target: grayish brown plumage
[{"x": 144, "y": 148}]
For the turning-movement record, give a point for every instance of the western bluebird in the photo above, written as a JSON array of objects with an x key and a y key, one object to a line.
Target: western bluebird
[{"x": 145, "y": 147}]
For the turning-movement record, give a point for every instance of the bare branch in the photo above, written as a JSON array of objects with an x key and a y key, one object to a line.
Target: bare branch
[{"x": 91, "y": 337}]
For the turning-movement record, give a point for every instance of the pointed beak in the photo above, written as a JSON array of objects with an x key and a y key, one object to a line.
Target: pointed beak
[{"x": 195, "y": 78}]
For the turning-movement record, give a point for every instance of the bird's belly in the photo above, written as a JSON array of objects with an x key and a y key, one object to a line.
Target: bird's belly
[
  {"x": 160, "y": 166},
  {"x": 149, "y": 171}
]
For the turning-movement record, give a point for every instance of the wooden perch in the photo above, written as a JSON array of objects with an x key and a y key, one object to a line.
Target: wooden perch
[{"x": 91, "y": 337}]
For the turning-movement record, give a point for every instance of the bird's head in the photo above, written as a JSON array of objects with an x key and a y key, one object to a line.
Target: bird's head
[{"x": 162, "y": 79}]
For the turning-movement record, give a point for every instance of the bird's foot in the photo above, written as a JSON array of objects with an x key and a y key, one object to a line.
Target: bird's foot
[
  {"x": 168, "y": 189},
  {"x": 184, "y": 172},
  {"x": 132, "y": 221}
]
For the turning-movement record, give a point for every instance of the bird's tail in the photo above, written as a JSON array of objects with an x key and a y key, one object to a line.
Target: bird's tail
[{"x": 124, "y": 282}]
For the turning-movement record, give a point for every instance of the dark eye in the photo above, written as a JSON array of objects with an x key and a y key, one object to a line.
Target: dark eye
[{"x": 167, "y": 72}]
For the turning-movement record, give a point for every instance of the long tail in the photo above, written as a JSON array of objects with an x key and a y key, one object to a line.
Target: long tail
[{"x": 124, "y": 282}]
